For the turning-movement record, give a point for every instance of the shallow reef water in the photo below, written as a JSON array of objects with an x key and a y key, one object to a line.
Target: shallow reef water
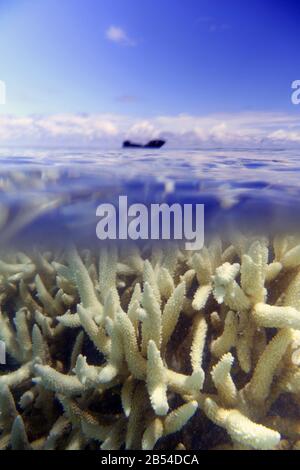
[
  {"x": 148, "y": 345},
  {"x": 57, "y": 191}
]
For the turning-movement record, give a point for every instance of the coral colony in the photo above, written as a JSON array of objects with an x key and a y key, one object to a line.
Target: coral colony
[{"x": 143, "y": 348}]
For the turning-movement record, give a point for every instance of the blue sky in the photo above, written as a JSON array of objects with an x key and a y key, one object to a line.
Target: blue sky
[{"x": 146, "y": 59}]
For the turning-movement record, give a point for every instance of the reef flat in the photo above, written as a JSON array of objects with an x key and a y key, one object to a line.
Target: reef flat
[{"x": 152, "y": 347}]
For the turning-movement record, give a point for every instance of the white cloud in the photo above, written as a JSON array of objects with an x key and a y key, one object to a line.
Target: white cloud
[
  {"x": 248, "y": 129},
  {"x": 119, "y": 36},
  {"x": 283, "y": 135}
]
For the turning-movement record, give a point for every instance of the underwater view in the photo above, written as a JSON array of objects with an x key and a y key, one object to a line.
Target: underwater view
[
  {"x": 57, "y": 191},
  {"x": 123, "y": 344}
]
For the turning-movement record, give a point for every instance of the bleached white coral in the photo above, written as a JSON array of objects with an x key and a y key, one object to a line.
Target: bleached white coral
[
  {"x": 155, "y": 338},
  {"x": 240, "y": 428}
]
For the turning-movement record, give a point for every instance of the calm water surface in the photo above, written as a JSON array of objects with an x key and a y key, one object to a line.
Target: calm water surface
[{"x": 57, "y": 190}]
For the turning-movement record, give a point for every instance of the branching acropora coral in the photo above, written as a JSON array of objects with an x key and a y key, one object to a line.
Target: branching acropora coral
[{"x": 152, "y": 347}]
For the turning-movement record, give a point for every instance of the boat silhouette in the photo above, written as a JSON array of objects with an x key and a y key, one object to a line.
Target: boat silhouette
[{"x": 152, "y": 144}]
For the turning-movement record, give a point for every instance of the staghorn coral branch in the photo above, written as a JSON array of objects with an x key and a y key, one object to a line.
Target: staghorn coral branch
[
  {"x": 245, "y": 342},
  {"x": 223, "y": 381},
  {"x": 40, "y": 350},
  {"x": 178, "y": 418},
  {"x": 87, "y": 375},
  {"x": 156, "y": 380},
  {"x": 108, "y": 272},
  {"x": 291, "y": 258},
  {"x": 136, "y": 363},
  {"x": 201, "y": 297},
  {"x": 127, "y": 394},
  {"x": 185, "y": 384},
  {"x": 8, "y": 408},
  {"x": 59, "y": 429},
  {"x": 23, "y": 334},
  {"x": 96, "y": 333},
  {"x": 150, "y": 279},
  {"x": 240, "y": 428},
  {"x": 84, "y": 284},
  {"x": 171, "y": 313},
  {"x": 95, "y": 430},
  {"x": 50, "y": 305},
  {"x": 115, "y": 359},
  {"x": 165, "y": 283},
  {"x": 152, "y": 434},
  {"x": 8, "y": 336},
  {"x": 136, "y": 418},
  {"x": 258, "y": 388},
  {"x": 134, "y": 305},
  {"x": 58, "y": 382},
  {"x": 19, "y": 439},
  {"x": 152, "y": 320},
  {"x": 13, "y": 379},
  {"x": 253, "y": 274},
  {"x": 199, "y": 337},
  {"x": 227, "y": 340},
  {"x": 271, "y": 316}
]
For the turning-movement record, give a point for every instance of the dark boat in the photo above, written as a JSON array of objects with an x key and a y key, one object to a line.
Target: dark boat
[{"x": 153, "y": 144}]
